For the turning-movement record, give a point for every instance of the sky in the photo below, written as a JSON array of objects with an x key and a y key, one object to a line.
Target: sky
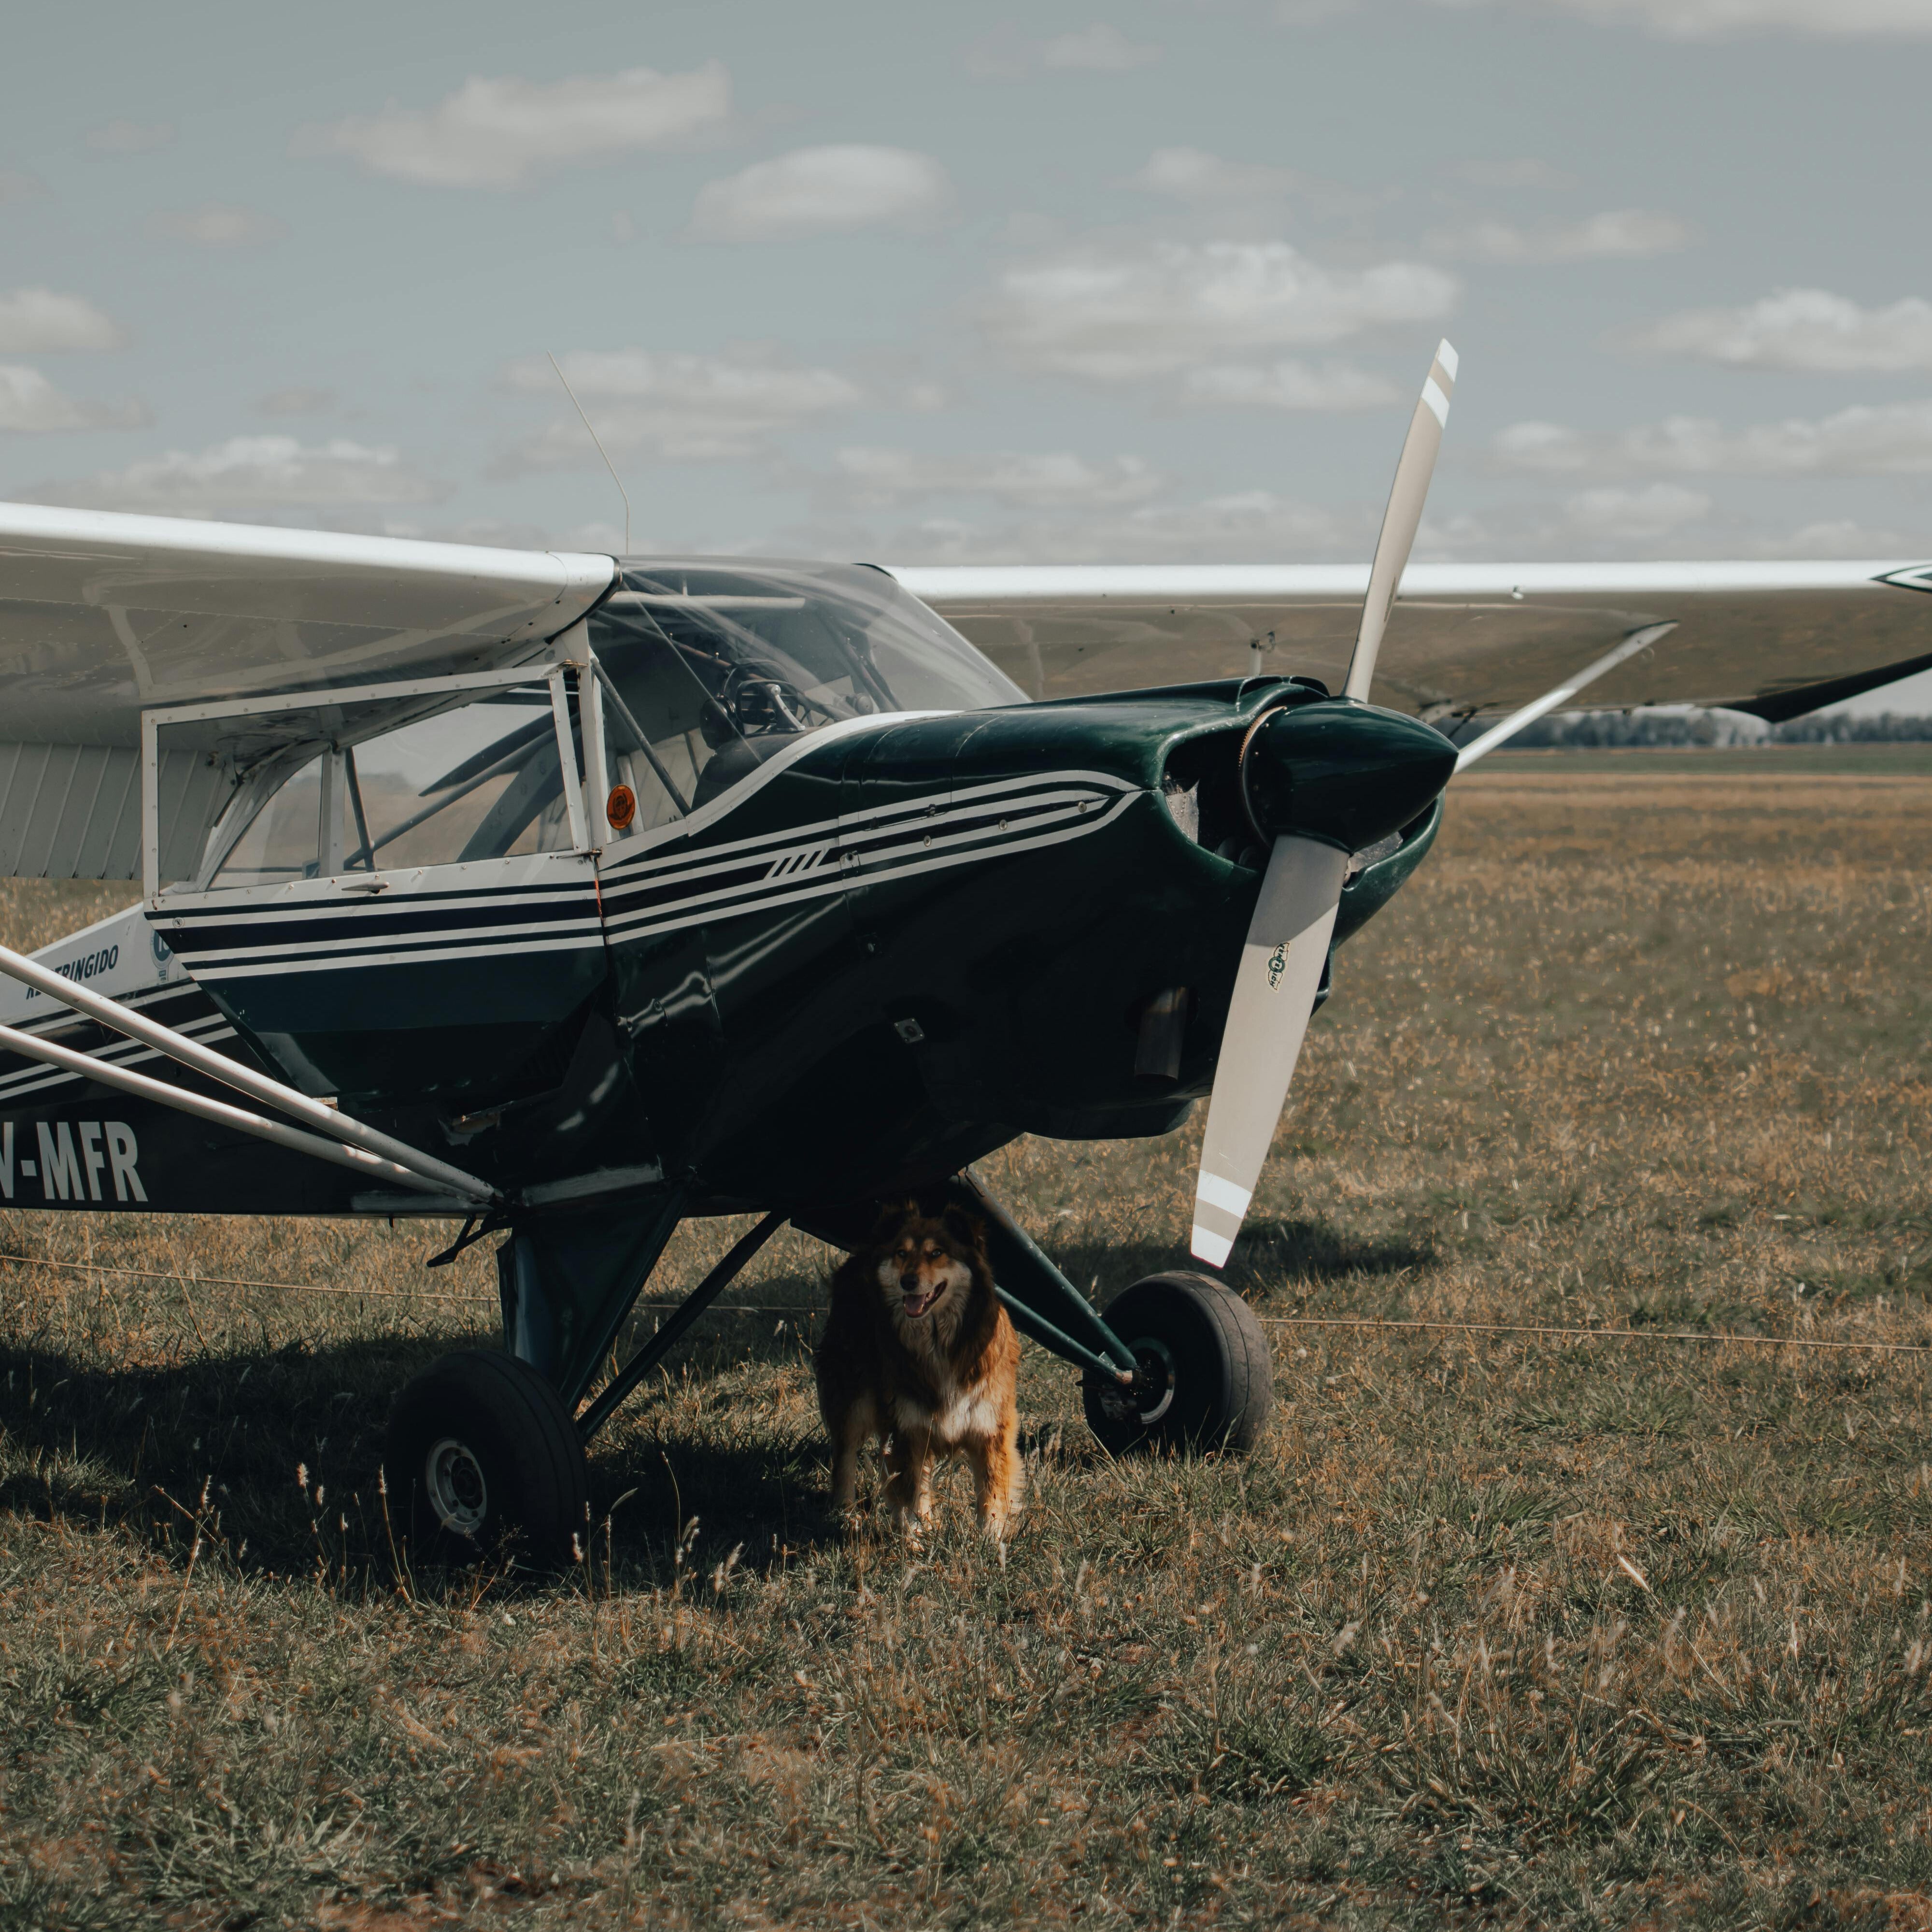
[{"x": 1154, "y": 282}]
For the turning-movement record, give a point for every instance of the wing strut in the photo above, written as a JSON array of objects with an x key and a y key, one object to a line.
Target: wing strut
[
  {"x": 347, "y": 1142},
  {"x": 1636, "y": 641}
]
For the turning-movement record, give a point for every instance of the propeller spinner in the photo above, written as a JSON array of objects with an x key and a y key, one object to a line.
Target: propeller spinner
[{"x": 1323, "y": 780}]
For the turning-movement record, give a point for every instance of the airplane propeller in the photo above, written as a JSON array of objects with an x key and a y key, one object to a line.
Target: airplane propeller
[{"x": 1325, "y": 780}]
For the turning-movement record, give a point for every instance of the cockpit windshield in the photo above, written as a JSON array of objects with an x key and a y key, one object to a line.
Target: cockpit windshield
[{"x": 720, "y": 665}]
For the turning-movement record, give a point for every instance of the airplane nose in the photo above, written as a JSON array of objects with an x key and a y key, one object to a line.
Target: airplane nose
[{"x": 1343, "y": 772}]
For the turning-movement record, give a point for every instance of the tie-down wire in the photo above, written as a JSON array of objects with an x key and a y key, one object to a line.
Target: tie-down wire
[
  {"x": 1364, "y": 1321},
  {"x": 1592, "y": 1334},
  {"x": 362, "y": 1294}
]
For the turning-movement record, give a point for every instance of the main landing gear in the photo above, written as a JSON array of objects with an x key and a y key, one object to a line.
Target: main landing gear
[
  {"x": 485, "y": 1455},
  {"x": 1204, "y": 1379}
]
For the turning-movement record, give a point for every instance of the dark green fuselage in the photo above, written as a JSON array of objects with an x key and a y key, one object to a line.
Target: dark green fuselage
[
  {"x": 882, "y": 1035},
  {"x": 915, "y": 940}
]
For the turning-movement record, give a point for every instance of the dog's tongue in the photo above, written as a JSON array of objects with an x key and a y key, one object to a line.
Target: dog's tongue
[{"x": 918, "y": 1304}]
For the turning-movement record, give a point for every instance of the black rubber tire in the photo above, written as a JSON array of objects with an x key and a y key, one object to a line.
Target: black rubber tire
[
  {"x": 524, "y": 1480},
  {"x": 1215, "y": 1382}
]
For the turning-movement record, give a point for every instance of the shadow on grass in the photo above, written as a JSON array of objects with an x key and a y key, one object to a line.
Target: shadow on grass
[
  {"x": 1315, "y": 1250},
  {"x": 285, "y": 1447},
  {"x": 274, "y": 1455},
  {"x": 767, "y": 1499},
  {"x": 1268, "y": 1246},
  {"x": 138, "y": 1447}
]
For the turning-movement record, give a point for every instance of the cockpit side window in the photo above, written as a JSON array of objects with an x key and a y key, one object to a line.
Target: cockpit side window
[
  {"x": 481, "y": 780},
  {"x": 282, "y": 841}
]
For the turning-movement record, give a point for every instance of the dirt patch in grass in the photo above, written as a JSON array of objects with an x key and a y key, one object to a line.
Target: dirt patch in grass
[{"x": 1492, "y": 1629}]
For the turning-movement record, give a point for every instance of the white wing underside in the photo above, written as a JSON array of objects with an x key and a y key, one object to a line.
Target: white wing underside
[
  {"x": 1774, "y": 638},
  {"x": 104, "y": 616}
]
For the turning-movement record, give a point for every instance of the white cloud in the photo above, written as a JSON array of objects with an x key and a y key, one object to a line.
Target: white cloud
[
  {"x": 1544, "y": 446},
  {"x": 215, "y": 224},
  {"x": 1838, "y": 536},
  {"x": 296, "y": 401},
  {"x": 131, "y": 137},
  {"x": 1618, "y": 232},
  {"x": 34, "y": 321},
  {"x": 1100, "y": 49},
  {"x": 1242, "y": 190},
  {"x": 1117, "y": 312},
  {"x": 1006, "y": 54},
  {"x": 250, "y": 473},
  {"x": 1801, "y": 329},
  {"x": 503, "y": 133},
  {"x": 1192, "y": 174},
  {"x": 1521, "y": 171},
  {"x": 1636, "y": 516},
  {"x": 1288, "y": 385},
  {"x": 1887, "y": 439},
  {"x": 683, "y": 407},
  {"x": 885, "y": 475},
  {"x": 1714, "y": 20},
  {"x": 17, "y": 185},
  {"x": 1237, "y": 527},
  {"x": 816, "y": 189},
  {"x": 1247, "y": 523},
  {"x": 31, "y": 405}
]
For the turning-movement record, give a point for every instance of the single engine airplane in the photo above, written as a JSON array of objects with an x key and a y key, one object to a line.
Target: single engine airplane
[{"x": 566, "y": 896}]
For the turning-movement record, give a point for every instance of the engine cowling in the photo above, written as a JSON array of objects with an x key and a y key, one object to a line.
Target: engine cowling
[{"x": 1341, "y": 771}]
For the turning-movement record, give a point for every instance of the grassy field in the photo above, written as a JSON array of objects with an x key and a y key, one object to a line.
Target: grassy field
[
  {"x": 1906, "y": 758},
  {"x": 1494, "y": 1628}
]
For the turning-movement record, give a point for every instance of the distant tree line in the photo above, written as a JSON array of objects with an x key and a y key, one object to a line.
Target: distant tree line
[
  {"x": 1888, "y": 727},
  {"x": 1593, "y": 730}
]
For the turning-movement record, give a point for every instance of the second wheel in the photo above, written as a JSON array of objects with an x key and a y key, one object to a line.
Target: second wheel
[{"x": 1206, "y": 1381}]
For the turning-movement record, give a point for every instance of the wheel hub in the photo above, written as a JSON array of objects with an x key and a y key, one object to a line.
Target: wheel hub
[
  {"x": 1151, "y": 1394},
  {"x": 458, "y": 1491}
]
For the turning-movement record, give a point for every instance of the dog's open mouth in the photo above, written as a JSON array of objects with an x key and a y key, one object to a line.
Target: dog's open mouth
[{"x": 916, "y": 1301}]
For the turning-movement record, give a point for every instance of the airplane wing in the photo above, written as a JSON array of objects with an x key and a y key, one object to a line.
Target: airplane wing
[
  {"x": 1775, "y": 639},
  {"x": 103, "y": 616}
]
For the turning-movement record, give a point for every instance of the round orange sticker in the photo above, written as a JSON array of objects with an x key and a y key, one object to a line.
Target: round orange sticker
[{"x": 621, "y": 807}]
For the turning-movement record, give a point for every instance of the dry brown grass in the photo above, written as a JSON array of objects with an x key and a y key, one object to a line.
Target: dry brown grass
[{"x": 1609, "y": 1633}]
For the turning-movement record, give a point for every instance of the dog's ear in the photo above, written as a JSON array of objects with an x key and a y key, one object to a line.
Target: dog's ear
[{"x": 968, "y": 1229}]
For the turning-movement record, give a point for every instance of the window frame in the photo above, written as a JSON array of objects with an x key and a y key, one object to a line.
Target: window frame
[{"x": 583, "y": 803}]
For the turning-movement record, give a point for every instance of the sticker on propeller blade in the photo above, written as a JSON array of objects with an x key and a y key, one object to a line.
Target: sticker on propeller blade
[{"x": 1278, "y": 964}]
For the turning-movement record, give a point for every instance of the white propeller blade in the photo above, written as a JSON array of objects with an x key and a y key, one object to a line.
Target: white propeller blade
[
  {"x": 1402, "y": 517},
  {"x": 1287, "y": 944},
  {"x": 1274, "y": 999}
]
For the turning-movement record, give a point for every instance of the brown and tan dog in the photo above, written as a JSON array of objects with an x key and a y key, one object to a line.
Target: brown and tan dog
[{"x": 918, "y": 1350}]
